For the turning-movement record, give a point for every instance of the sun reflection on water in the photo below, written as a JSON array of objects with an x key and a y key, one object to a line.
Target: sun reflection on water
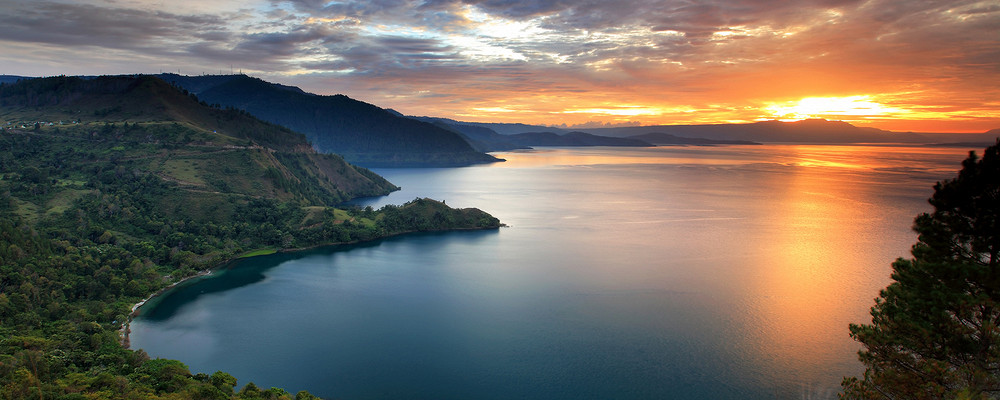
[
  {"x": 800, "y": 301},
  {"x": 818, "y": 241},
  {"x": 823, "y": 259}
]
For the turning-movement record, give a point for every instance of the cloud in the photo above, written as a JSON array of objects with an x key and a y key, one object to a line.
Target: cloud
[
  {"x": 722, "y": 58},
  {"x": 285, "y": 44},
  {"x": 79, "y": 25}
]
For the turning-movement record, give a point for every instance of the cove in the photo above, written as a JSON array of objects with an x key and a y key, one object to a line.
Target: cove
[{"x": 727, "y": 272}]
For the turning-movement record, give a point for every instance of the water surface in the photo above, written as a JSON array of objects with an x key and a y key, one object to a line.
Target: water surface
[{"x": 725, "y": 272}]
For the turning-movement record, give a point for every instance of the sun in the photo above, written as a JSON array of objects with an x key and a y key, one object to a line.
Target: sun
[{"x": 850, "y": 107}]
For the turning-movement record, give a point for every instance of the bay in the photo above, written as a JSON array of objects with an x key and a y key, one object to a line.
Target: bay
[{"x": 728, "y": 272}]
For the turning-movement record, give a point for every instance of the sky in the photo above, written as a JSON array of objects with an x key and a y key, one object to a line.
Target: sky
[{"x": 902, "y": 65}]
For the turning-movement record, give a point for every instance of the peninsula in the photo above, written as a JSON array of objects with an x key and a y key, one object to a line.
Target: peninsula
[{"x": 114, "y": 188}]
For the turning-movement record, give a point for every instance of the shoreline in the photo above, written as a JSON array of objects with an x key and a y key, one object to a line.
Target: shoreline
[{"x": 125, "y": 329}]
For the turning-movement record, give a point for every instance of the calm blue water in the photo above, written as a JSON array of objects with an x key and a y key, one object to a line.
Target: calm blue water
[{"x": 688, "y": 273}]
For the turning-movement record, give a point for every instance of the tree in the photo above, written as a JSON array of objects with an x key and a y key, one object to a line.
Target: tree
[
  {"x": 934, "y": 331},
  {"x": 223, "y": 381}
]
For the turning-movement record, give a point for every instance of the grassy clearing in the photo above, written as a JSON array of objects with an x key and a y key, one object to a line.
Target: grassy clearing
[
  {"x": 64, "y": 199},
  {"x": 70, "y": 183},
  {"x": 367, "y": 223},
  {"x": 259, "y": 252},
  {"x": 314, "y": 215},
  {"x": 26, "y": 210},
  {"x": 200, "y": 206},
  {"x": 184, "y": 170},
  {"x": 340, "y": 215},
  {"x": 318, "y": 214}
]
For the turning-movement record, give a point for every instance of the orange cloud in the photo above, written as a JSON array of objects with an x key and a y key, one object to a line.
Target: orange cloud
[{"x": 922, "y": 66}]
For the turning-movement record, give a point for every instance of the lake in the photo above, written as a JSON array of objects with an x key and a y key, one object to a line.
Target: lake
[{"x": 727, "y": 272}]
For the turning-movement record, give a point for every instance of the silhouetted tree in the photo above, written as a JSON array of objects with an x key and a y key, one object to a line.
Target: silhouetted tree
[{"x": 934, "y": 331}]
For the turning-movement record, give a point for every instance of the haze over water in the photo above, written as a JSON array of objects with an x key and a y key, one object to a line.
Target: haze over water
[{"x": 725, "y": 272}]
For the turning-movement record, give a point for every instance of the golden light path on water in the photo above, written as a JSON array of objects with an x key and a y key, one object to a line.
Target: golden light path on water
[
  {"x": 801, "y": 302},
  {"x": 806, "y": 258}
]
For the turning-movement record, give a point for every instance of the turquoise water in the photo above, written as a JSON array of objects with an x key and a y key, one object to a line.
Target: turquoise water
[{"x": 725, "y": 272}]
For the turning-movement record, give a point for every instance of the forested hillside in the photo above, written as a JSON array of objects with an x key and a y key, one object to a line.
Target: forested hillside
[
  {"x": 362, "y": 133},
  {"x": 116, "y": 187}
]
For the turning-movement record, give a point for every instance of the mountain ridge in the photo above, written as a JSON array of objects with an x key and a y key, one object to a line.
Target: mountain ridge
[
  {"x": 369, "y": 135},
  {"x": 362, "y": 133},
  {"x": 182, "y": 139},
  {"x": 773, "y": 131}
]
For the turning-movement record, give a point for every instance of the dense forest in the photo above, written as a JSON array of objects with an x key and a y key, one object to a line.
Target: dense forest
[{"x": 104, "y": 202}]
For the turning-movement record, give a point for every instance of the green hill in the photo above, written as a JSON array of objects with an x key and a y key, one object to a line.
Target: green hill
[
  {"x": 362, "y": 133},
  {"x": 151, "y": 126},
  {"x": 139, "y": 99},
  {"x": 113, "y": 188}
]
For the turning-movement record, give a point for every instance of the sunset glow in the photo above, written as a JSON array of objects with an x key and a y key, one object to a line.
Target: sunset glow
[
  {"x": 892, "y": 64},
  {"x": 855, "y": 107},
  {"x": 617, "y": 111}
]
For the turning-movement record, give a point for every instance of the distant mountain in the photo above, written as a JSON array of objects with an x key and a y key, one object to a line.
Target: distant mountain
[
  {"x": 814, "y": 130},
  {"x": 661, "y": 138},
  {"x": 988, "y": 138},
  {"x": 483, "y": 136},
  {"x": 362, "y": 133},
  {"x": 572, "y": 139},
  {"x": 497, "y": 127},
  {"x": 479, "y": 137},
  {"x": 173, "y": 135},
  {"x": 11, "y": 78},
  {"x": 805, "y": 131}
]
